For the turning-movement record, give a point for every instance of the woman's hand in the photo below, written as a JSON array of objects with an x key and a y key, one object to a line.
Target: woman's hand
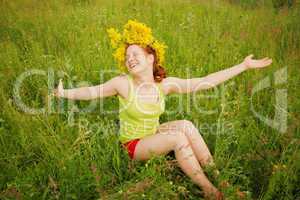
[
  {"x": 250, "y": 63},
  {"x": 59, "y": 92}
]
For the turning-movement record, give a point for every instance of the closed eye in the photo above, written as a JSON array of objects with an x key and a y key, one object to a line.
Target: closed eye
[{"x": 134, "y": 55}]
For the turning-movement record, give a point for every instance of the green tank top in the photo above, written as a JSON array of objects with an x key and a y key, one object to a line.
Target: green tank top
[{"x": 138, "y": 119}]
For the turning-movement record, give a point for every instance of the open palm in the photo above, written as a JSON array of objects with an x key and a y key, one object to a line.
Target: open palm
[{"x": 251, "y": 63}]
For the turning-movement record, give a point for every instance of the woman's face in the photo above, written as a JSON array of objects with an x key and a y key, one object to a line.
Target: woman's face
[{"x": 137, "y": 60}]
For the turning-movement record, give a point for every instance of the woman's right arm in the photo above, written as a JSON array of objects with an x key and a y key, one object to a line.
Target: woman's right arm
[{"x": 106, "y": 89}]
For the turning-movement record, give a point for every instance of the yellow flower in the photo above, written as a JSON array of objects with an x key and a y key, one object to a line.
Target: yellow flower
[
  {"x": 160, "y": 51},
  {"x": 119, "y": 55},
  {"x": 115, "y": 37},
  {"x": 134, "y": 33}
]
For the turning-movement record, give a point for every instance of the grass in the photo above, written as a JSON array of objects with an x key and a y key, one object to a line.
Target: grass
[{"x": 64, "y": 154}]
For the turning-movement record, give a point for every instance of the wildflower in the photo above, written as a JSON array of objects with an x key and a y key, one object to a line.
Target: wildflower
[
  {"x": 115, "y": 37},
  {"x": 134, "y": 33},
  {"x": 284, "y": 166},
  {"x": 181, "y": 189}
]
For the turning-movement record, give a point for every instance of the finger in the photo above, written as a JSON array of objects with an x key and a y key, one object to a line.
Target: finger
[
  {"x": 60, "y": 86},
  {"x": 269, "y": 61},
  {"x": 263, "y": 59},
  {"x": 266, "y": 63},
  {"x": 250, "y": 56},
  {"x": 60, "y": 83}
]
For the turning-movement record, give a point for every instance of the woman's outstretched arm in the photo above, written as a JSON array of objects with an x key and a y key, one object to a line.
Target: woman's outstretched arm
[
  {"x": 106, "y": 89},
  {"x": 178, "y": 85}
]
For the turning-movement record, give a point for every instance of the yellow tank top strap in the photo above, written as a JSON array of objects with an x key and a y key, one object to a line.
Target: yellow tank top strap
[
  {"x": 131, "y": 88},
  {"x": 162, "y": 95}
]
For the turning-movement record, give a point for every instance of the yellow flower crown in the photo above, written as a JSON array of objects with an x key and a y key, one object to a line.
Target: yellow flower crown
[{"x": 134, "y": 33}]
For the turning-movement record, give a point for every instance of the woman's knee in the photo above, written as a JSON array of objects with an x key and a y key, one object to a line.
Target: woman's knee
[
  {"x": 181, "y": 140},
  {"x": 186, "y": 125}
]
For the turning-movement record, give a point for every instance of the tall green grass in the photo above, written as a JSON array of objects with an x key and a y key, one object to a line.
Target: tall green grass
[{"x": 71, "y": 155}]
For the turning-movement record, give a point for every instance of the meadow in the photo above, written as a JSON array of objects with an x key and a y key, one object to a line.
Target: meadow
[{"x": 62, "y": 149}]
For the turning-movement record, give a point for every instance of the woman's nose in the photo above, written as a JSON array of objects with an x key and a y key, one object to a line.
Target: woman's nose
[{"x": 130, "y": 59}]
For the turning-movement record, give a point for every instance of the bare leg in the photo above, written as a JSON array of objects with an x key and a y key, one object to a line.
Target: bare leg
[
  {"x": 190, "y": 165},
  {"x": 162, "y": 143},
  {"x": 195, "y": 139}
]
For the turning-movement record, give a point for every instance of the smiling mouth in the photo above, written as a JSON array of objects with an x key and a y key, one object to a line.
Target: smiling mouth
[{"x": 133, "y": 65}]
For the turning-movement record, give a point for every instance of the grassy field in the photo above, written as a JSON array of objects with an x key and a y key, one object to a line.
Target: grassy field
[{"x": 62, "y": 152}]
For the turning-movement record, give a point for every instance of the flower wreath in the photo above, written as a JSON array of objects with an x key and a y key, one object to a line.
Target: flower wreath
[{"x": 134, "y": 33}]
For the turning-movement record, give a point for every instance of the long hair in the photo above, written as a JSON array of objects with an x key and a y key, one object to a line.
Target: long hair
[{"x": 159, "y": 72}]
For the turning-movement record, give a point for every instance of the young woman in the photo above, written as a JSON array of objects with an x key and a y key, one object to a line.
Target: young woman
[{"x": 141, "y": 92}]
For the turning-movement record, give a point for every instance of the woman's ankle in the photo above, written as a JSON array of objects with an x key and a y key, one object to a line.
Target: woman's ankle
[{"x": 213, "y": 194}]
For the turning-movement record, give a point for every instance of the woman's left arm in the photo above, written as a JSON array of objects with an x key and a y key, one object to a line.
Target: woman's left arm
[{"x": 177, "y": 85}]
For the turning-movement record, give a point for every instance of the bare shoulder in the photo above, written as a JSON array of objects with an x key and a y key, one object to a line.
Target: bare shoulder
[
  {"x": 170, "y": 79},
  {"x": 168, "y": 84},
  {"x": 120, "y": 79},
  {"x": 121, "y": 84}
]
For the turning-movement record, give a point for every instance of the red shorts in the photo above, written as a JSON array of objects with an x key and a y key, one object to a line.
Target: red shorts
[{"x": 130, "y": 146}]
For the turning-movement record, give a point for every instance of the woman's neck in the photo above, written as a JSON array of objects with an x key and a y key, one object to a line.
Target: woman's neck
[{"x": 140, "y": 79}]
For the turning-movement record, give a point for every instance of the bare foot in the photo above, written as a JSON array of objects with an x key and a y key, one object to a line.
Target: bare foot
[
  {"x": 240, "y": 194},
  {"x": 224, "y": 184},
  {"x": 213, "y": 194}
]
